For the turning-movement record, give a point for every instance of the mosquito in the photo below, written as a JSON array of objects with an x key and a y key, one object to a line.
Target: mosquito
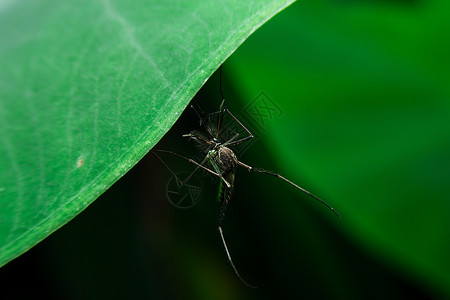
[{"x": 221, "y": 161}]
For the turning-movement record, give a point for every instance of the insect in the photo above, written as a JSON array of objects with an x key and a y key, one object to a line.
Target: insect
[{"x": 221, "y": 161}]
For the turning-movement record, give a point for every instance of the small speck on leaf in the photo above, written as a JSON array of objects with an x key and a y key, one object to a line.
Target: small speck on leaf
[{"x": 80, "y": 162}]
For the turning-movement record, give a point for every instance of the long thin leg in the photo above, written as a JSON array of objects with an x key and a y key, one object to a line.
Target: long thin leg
[
  {"x": 291, "y": 183},
  {"x": 249, "y": 137},
  {"x": 170, "y": 170},
  {"x": 230, "y": 142},
  {"x": 216, "y": 169},
  {"x": 193, "y": 172},
  {"x": 231, "y": 261},
  {"x": 179, "y": 181},
  {"x": 197, "y": 135},
  {"x": 196, "y": 163},
  {"x": 223, "y": 109},
  {"x": 220, "y": 116},
  {"x": 198, "y": 115},
  {"x": 220, "y": 112},
  {"x": 219, "y": 121}
]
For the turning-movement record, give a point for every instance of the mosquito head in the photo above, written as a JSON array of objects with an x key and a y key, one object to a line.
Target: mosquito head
[{"x": 216, "y": 143}]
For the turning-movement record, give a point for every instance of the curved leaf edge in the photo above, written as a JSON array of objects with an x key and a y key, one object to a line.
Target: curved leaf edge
[{"x": 180, "y": 99}]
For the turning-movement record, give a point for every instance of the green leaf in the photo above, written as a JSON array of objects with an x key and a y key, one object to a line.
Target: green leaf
[
  {"x": 87, "y": 88},
  {"x": 365, "y": 94}
]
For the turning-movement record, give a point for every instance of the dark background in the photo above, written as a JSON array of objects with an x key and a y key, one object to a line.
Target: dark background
[{"x": 349, "y": 99}]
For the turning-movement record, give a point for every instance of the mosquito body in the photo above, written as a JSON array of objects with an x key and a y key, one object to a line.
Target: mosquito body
[{"x": 221, "y": 161}]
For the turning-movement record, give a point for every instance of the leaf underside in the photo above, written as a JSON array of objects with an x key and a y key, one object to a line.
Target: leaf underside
[{"x": 87, "y": 88}]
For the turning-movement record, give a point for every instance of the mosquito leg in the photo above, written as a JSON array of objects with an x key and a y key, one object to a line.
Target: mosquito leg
[
  {"x": 196, "y": 163},
  {"x": 170, "y": 170},
  {"x": 218, "y": 122},
  {"x": 198, "y": 115},
  {"x": 257, "y": 170},
  {"x": 231, "y": 139},
  {"x": 193, "y": 172},
  {"x": 249, "y": 137},
  {"x": 214, "y": 113},
  {"x": 231, "y": 261},
  {"x": 197, "y": 135},
  {"x": 222, "y": 109},
  {"x": 179, "y": 182}
]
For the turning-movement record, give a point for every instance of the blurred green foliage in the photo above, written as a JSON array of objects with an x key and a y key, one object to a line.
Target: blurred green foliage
[{"x": 363, "y": 89}]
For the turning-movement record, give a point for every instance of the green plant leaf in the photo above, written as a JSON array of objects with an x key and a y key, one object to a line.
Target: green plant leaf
[{"x": 87, "y": 88}]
